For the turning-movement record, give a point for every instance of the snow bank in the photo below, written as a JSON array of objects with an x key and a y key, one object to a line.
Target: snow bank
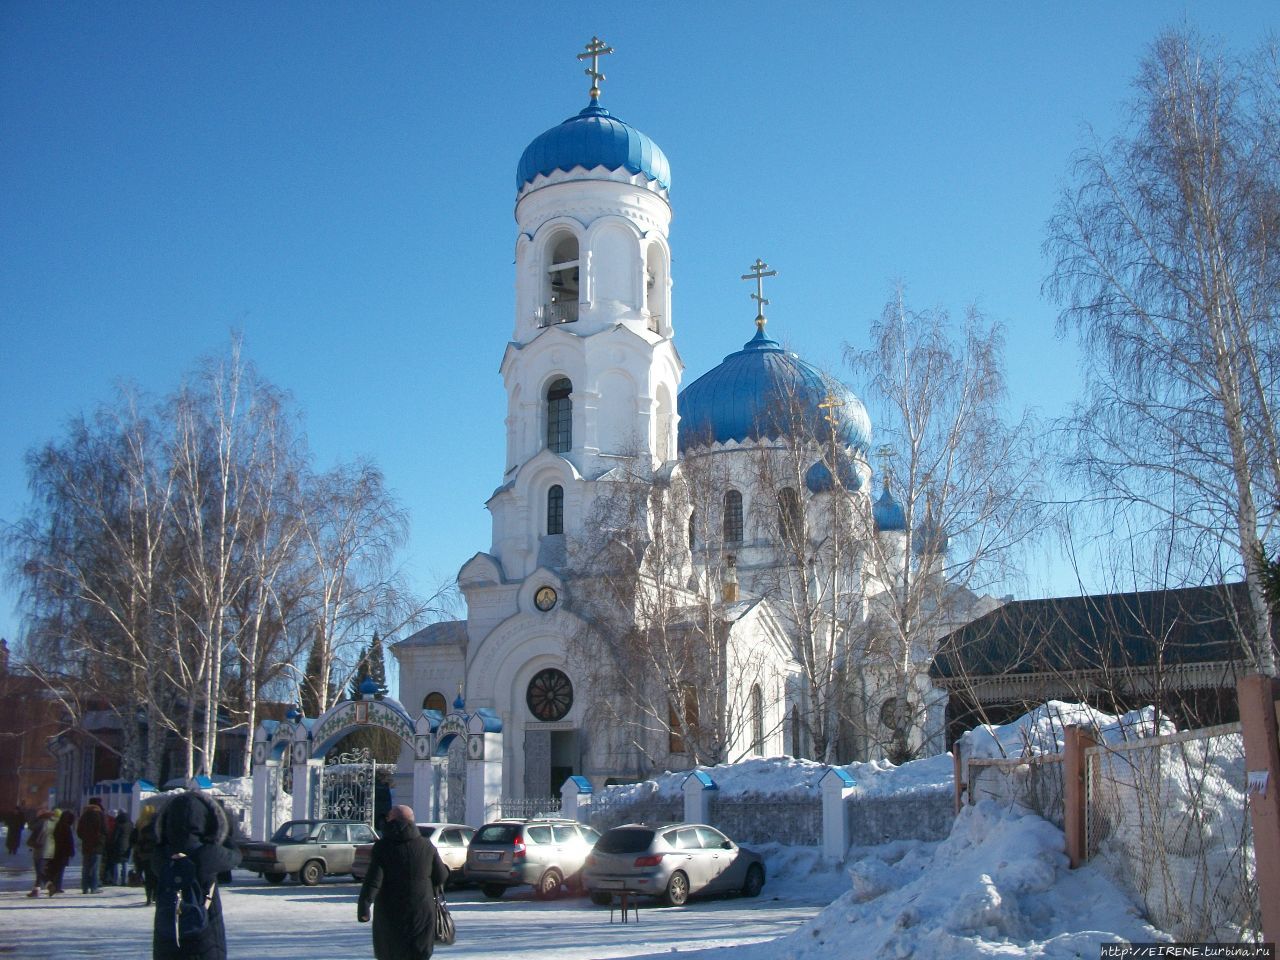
[{"x": 1043, "y": 730}]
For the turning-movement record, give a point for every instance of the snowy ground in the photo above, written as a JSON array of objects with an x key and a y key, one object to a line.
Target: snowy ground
[{"x": 998, "y": 886}]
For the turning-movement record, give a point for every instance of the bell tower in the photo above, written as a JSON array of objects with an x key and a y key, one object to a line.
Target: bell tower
[{"x": 591, "y": 371}]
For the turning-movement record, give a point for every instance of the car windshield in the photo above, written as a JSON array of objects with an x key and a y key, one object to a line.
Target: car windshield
[
  {"x": 294, "y": 832},
  {"x": 627, "y": 840},
  {"x": 498, "y": 833}
]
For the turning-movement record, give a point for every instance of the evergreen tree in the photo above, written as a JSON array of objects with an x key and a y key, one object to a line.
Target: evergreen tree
[
  {"x": 310, "y": 690},
  {"x": 377, "y": 664},
  {"x": 362, "y": 671}
]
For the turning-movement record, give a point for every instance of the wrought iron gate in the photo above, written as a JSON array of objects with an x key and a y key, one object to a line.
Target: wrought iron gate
[{"x": 348, "y": 782}]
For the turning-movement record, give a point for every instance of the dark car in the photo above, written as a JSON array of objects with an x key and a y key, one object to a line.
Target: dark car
[
  {"x": 672, "y": 862},
  {"x": 545, "y": 852},
  {"x": 451, "y": 841},
  {"x": 308, "y": 849}
]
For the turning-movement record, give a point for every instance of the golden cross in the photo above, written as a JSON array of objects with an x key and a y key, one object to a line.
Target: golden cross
[
  {"x": 759, "y": 270},
  {"x": 596, "y": 49},
  {"x": 830, "y": 403},
  {"x": 886, "y": 454}
]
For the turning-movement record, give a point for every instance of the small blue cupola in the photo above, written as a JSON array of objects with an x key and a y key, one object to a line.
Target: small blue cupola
[
  {"x": 593, "y": 138},
  {"x": 888, "y": 514}
]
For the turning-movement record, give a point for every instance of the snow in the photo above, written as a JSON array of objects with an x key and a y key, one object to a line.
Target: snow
[
  {"x": 997, "y": 886},
  {"x": 1043, "y": 730}
]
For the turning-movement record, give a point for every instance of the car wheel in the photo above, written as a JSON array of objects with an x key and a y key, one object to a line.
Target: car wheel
[
  {"x": 677, "y": 890},
  {"x": 754, "y": 883},
  {"x": 493, "y": 891},
  {"x": 312, "y": 872},
  {"x": 273, "y": 877},
  {"x": 548, "y": 885},
  {"x": 602, "y": 899}
]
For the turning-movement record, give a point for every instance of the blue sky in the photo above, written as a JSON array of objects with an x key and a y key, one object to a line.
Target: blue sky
[{"x": 336, "y": 180}]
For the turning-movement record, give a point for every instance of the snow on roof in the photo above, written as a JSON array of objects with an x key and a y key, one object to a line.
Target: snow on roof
[{"x": 1043, "y": 730}]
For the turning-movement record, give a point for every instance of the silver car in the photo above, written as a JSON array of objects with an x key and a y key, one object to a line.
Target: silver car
[
  {"x": 545, "y": 852},
  {"x": 672, "y": 862}
]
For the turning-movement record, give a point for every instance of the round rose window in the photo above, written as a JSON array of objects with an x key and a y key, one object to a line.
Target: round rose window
[{"x": 550, "y": 695}]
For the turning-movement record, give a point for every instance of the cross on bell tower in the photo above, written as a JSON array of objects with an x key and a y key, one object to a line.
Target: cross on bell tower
[
  {"x": 759, "y": 270},
  {"x": 596, "y": 49}
]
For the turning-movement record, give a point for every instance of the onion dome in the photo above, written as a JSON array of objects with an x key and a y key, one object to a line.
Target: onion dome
[
  {"x": 751, "y": 394},
  {"x": 887, "y": 513},
  {"x": 819, "y": 479},
  {"x": 293, "y": 714},
  {"x": 930, "y": 539},
  {"x": 368, "y": 687},
  {"x": 593, "y": 138}
]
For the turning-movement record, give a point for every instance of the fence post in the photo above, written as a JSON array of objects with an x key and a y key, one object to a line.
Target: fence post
[
  {"x": 1257, "y": 696},
  {"x": 697, "y": 788},
  {"x": 957, "y": 763},
  {"x": 836, "y": 785},
  {"x": 575, "y": 799},
  {"x": 1075, "y": 813}
]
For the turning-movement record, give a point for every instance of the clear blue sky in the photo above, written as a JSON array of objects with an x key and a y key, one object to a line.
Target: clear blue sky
[{"x": 336, "y": 180}]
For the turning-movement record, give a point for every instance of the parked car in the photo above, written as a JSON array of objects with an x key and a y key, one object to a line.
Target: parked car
[
  {"x": 451, "y": 840},
  {"x": 308, "y": 849},
  {"x": 672, "y": 861},
  {"x": 543, "y": 852}
]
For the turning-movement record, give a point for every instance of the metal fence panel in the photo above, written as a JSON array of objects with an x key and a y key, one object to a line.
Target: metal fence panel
[
  {"x": 1168, "y": 820},
  {"x": 797, "y": 822},
  {"x": 1034, "y": 783}
]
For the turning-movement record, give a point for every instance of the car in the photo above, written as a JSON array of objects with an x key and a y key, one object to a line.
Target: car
[
  {"x": 672, "y": 862},
  {"x": 451, "y": 840},
  {"x": 308, "y": 849},
  {"x": 544, "y": 852}
]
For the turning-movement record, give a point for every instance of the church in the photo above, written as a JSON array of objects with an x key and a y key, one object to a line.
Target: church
[{"x": 596, "y": 406}]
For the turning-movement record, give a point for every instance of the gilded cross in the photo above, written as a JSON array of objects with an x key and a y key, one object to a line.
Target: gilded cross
[
  {"x": 596, "y": 49},
  {"x": 830, "y": 403},
  {"x": 759, "y": 270},
  {"x": 886, "y": 454}
]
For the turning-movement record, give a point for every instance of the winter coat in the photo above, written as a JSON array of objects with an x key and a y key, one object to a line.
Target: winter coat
[
  {"x": 144, "y": 840},
  {"x": 40, "y": 839},
  {"x": 92, "y": 830},
  {"x": 404, "y": 872},
  {"x": 194, "y": 824},
  {"x": 64, "y": 844},
  {"x": 122, "y": 838}
]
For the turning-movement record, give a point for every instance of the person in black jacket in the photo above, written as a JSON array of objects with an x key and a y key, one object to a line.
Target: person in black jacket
[
  {"x": 404, "y": 873},
  {"x": 195, "y": 825}
]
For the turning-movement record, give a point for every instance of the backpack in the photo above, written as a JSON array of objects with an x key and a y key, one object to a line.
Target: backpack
[{"x": 182, "y": 904}]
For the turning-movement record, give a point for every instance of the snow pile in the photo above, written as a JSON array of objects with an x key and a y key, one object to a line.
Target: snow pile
[
  {"x": 1043, "y": 730},
  {"x": 998, "y": 886}
]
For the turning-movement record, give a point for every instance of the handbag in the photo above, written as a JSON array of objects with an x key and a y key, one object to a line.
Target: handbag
[{"x": 446, "y": 932}]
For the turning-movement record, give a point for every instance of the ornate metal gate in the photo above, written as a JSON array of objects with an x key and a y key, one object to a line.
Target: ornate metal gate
[{"x": 347, "y": 786}]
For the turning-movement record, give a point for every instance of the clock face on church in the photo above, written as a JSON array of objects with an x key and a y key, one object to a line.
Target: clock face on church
[{"x": 550, "y": 695}]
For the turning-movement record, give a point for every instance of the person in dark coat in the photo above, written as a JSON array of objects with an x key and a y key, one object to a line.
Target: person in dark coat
[
  {"x": 14, "y": 821},
  {"x": 144, "y": 848},
  {"x": 64, "y": 848},
  {"x": 121, "y": 844},
  {"x": 193, "y": 824},
  {"x": 92, "y": 831},
  {"x": 404, "y": 873}
]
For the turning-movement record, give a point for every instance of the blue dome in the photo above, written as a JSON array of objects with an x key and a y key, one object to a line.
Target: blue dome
[
  {"x": 931, "y": 538},
  {"x": 819, "y": 479},
  {"x": 745, "y": 396},
  {"x": 368, "y": 686},
  {"x": 593, "y": 138},
  {"x": 888, "y": 514}
]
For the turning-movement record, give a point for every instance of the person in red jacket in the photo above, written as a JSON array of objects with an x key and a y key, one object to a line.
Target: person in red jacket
[{"x": 92, "y": 831}]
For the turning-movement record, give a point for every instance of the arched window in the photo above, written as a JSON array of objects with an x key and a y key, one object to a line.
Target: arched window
[
  {"x": 790, "y": 520},
  {"x": 555, "y": 509},
  {"x": 732, "y": 516},
  {"x": 435, "y": 701},
  {"x": 560, "y": 416},
  {"x": 560, "y": 303},
  {"x": 757, "y": 720}
]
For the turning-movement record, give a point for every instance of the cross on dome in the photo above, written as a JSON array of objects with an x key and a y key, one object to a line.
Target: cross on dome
[
  {"x": 596, "y": 49},
  {"x": 759, "y": 270}
]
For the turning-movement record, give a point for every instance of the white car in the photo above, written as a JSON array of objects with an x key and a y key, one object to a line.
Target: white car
[{"x": 451, "y": 840}]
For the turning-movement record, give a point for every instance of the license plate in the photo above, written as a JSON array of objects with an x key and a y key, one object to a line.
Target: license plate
[
  {"x": 609, "y": 884},
  {"x": 489, "y": 857}
]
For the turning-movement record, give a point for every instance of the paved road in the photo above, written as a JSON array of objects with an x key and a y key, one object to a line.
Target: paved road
[{"x": 290, "y": 922}]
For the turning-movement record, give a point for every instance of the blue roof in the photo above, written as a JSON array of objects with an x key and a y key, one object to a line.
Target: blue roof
[
  {"x": 887, "y": 513},
  {"x": 746, "y": 397},
  {"x": 593, "y": 138}
]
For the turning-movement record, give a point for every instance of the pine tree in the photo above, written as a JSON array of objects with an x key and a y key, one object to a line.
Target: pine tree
[
  {"x": 362, "y": 671},
  {"x": 377, "y": 664},
  {"x": 310, "y": 690}
]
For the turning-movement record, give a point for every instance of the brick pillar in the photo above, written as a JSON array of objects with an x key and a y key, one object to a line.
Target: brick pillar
[
  {"x": 1074, "y": 799},
  {"x": 1257, "y": 696}
]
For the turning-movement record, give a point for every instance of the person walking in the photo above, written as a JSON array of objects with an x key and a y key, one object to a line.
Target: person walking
[
  {"x": 121, "y": 844},
  {"x": 405, "y": 871},
  {"x": 64, "y": 848},
  {"x": 194, "y": 826},
  {"x": 92, "y": 831},
  {"x": 40, "y": 840},
  {"x": 144, "y": 848}
]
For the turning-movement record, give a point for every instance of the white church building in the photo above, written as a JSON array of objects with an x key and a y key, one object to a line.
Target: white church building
[{"x": 593, "y": 383}]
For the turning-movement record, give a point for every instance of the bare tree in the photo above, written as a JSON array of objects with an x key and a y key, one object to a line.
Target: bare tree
[
  {"x": 967, "y": 481},
  {"x": 1165, "y": 262}
]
